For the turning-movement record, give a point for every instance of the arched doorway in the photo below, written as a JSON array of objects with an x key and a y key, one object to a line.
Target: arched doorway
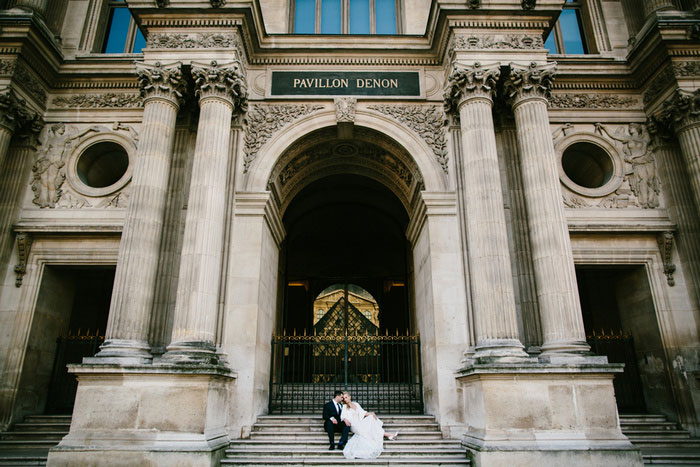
[{"x": 346, "y": 322}]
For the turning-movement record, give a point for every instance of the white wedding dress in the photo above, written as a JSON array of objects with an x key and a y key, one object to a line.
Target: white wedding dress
[{"x": 368, "y": 439}]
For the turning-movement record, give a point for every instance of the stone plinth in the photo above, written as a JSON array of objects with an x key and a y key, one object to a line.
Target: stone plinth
[
  {"x": 543, "y": 414},
  {"x": 147, "y": 415}
]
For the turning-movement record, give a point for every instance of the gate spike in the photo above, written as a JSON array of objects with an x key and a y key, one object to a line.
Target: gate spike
[{"x": 295, "y": 332}]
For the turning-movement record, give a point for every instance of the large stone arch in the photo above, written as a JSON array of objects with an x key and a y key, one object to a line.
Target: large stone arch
[{"x": 260, "y": 170}]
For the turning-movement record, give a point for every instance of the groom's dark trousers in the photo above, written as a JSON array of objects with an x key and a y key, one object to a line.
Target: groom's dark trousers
[{"x": 330, "y": 410}]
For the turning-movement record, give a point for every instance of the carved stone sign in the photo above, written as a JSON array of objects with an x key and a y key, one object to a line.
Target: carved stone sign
[{"x": 345, "y": 83}]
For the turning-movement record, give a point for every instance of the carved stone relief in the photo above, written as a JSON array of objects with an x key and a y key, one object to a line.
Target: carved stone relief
[
  {"x": 427, "y": 121},
  {"x": 665, "y": 241},
  {"x": 191, "y": 41},
  {"x": 49, "y": 172},
  {"x": 7, "y": 67},
  {"x": 345, "y": 109},
  {"x": 686, "y": 69},
  {"x": 498, "y": 41},
  {"x": 262, "y": 121},
  {"x": 98, "y": 101},
  {"x": 659, "y": 84},
  {"x": 26, "y": 79},
  {"x": 593, "y": 101}
]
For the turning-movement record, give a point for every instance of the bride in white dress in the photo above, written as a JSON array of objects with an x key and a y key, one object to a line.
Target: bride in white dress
[{"x": 368, "y": 439}]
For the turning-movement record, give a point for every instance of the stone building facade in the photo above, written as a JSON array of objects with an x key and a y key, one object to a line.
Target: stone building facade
[{"x": 170, "y": 200}]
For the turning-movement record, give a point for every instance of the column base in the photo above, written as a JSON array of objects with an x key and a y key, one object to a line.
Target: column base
[
  {"x": 191, "y": 352},
  {"x": 566, "y": 349},
  {"x": 121, "y": 352},
  {"x": 147, "y": 415},
  {"x": 500, "y": 350},
  {"x": 543, "y": 414}
]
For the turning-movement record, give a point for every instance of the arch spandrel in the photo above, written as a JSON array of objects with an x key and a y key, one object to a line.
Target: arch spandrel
[{"x": 417, "y": 151}]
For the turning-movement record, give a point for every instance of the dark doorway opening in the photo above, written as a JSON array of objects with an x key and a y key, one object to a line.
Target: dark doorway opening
[
  {"x": 69, "y": 323},
  {"x": 346, "y": 319},
  {"x": 620, "y": 321}
]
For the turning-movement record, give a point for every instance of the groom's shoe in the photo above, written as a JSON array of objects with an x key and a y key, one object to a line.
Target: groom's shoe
[
  {"x": 341, "y": 446},
  {"x": 331, "y": 448}
]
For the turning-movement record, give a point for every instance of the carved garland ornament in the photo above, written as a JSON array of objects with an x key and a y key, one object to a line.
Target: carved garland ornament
[
  {"x": 427, "y": 121},
  {"x": 98, "y": 101},
  {"x": 686, "y": 69},
  {"x": 262, "y": 121},
  {"x": 498, "y": 41},
  {"x": 592, "y": 101},
  {"x": 191, "y": 41}
]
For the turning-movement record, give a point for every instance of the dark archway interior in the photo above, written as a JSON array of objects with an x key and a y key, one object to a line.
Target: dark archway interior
[{"x": 346, "y": 229}]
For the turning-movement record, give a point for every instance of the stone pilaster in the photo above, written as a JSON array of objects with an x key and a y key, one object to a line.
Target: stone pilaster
[
  {"x": 682, "y": 113},
  {"x": 221, "y": 91},
  {"x": 126, "y": 339},
  {"x": 560, "y": 311},
  {"x": 470, "y": 90}
]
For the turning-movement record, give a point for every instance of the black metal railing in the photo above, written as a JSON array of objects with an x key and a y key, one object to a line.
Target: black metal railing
[
  {"x": 383, "y": 373},
  {"x": 63, "y": 385},
  {"x": 619, "y": 348}
]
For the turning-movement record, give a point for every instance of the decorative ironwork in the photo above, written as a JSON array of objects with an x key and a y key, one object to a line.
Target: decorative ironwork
[{"x": 619, "y": 348}]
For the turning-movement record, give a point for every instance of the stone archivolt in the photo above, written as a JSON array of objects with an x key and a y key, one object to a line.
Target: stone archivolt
[
  {"x": 262, "y": 121},
  {"x": 162, "y": 81},
  {"x": 427, "y": 121},
  {"x": 221, "y": 81}
]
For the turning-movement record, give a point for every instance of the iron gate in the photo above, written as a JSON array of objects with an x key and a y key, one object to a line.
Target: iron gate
[
  {"x": 383, "y": 373},
  {"x": 619, "y": 348}
]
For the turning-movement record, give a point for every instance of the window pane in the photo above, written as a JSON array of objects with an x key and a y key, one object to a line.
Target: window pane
[
  {"x": 571, "y": 32},
  {"x": 139, "y": 42},
  {"x": 330, "y": 16},
  {"x": 386, "y": 16},
  {"x": 118, "y": 29},
  {"x": 304, "y": 16},
  {"x": 550, "y": 44},
  {"x": 359, "y": 16}
]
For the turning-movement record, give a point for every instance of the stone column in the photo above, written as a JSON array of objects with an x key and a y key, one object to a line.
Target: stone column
[
  {"x": 560, "y": 310},
  {"x": 682, "y": 113},
  {"x": 221, "y": 91},
  {"x": 470, "y": 91},
  {"x": 126, "y": 339}
]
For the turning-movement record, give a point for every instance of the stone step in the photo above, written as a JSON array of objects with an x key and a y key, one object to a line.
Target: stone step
[
  {"x": 294, "y": 453},
  {"x": 670, "y": 426},
  {"x": 636, "y": 418},
  {"x": 406, "y": 461},
  {"x": 317, "y": 426},
  {"x": 323, "y": 443},
  {"x": 657, "y": 434},
  {"x": 34, "y": 435},
  {"x": 293, "y": 419},
  {"x": 47, "y": 419},
  {"x": 311, "y": 435},
  {"x": 28, "y": 444},
  {"x": 62, "y": 427},
  {"x": 644, "y": 444},
  {"x": 671, "y": 457}
]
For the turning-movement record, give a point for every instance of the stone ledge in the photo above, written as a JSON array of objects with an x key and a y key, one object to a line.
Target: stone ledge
[
  {"x": 594, "y": 367},
  {"x": 154, "y": 369}
]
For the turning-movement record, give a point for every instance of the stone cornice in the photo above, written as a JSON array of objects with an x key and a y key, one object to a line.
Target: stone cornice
[
  {"x": 224, "y": 82},
  {"x": 470, "y": 82},
  {"x": 161, "y": 81},
  {"x": 527, "y": 82}
]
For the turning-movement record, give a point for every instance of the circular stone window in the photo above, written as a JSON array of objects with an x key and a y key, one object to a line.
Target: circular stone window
[
  {"x": 589, "y": 170},
  {"x": 100, "y": 169}
]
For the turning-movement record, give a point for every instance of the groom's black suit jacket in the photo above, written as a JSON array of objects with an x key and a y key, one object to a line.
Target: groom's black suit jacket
[{"x": 330, "y": 410}]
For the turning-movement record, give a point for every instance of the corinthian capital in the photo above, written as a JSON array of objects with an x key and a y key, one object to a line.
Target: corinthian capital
[
  {"x": 223, "y": 82},
  {"x": 161, "y": 81},
  {"x": 682, "y": 109},
  {"x": 468, "y": 82},
  {"x": 12, "y": 109},
  {"x": 533, "y": 81}
]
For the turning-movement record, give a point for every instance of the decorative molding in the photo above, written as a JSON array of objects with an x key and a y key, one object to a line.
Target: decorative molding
[
  {"x": 26, "y": 80},
  {"x": 24, "y": 246},
  {"x": 524, "y": 82},
  {"x": 498, "y": 41},
  {"x": 681, "y": 109},
  {"x": 7, "y": 67},
  {"x": 203, "y": 40},
  {"x": 217, "y": 3},
  {"x": 528, "y": 4},
  {"x": 665, "y": 241},
  {"x": 262, "y": 121},
  {"x": 467, "y": 82},
  {"x": 162, "y": 3},
  {"x": 659, "y": 84},
  {"x": 687, "y": 69},
  {"x": 427, "y": 121},
  {"x": 593, "y": 101},
  {"x": 345, "y": 109},
  {"x": 161, "y": 81},
  {"x": 473, "y": 4},
  {"x": 98, "y": 101},
  {"x": 222, "y": 81}
]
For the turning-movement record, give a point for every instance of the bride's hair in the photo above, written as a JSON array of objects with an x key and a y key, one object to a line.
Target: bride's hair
[{"x": 346, "y": 393}]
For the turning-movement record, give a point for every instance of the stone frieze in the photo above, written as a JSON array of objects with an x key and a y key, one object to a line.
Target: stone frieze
[{"x": 98, "y": 101}]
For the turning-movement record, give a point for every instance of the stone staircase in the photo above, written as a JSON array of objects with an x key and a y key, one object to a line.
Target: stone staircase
[
  {"x": 28, "y": 443},
  {"x": 662, "y": 443},
  {"x": 295, "y": 440}
]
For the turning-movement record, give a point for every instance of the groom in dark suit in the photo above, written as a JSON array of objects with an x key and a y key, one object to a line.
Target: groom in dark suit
[{"x": 332, "y": 422}]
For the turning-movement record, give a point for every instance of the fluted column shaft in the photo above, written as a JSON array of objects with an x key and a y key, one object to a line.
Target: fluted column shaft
[
  {"x": 555, "y": 275},
  {"x": 5, "y": 137},
  {"x": 470, "y": 89},
  {"x": 689, "y": 139},
  {"x": 196, "y": 306},
  {"x": 126, "y": 338}
]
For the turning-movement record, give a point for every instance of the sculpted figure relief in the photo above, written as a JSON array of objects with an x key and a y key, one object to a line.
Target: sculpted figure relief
[{"x": 639, "y": 161}]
